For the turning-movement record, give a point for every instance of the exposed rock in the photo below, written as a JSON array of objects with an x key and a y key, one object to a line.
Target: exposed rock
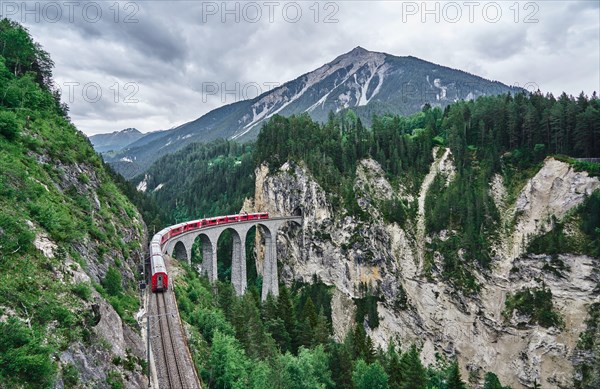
[
  {"x": 344, "y": 251},
  {"x": 441, "y": 165},
  {"x": 342, "y": 314},
  {"x": 553, "y": 191},
  {"x": 115, "y": 349},
  {"x": 45, "y": 245}
]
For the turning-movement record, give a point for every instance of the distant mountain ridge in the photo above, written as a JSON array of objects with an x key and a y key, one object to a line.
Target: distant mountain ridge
[
  {"x": 116, "y": 140},
  {"x": 365, "y": 81}
]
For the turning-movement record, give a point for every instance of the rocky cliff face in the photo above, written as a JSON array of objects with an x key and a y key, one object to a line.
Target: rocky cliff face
[
  {"x": 111, "y": 350},
  {"x": 77, "y": 225},
  {"x": 345, "y": 251}
]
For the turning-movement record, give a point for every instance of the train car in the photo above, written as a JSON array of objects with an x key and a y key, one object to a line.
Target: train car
[
  {"x": 155, "y": 248},
  {"x": 160, "y": 278},
  {"x": 232, "y": 218},
  {"x": 178, "y": 229},
  {"x": 263, "y": 215},
  {"x": 193, "y": 225},
  {"x": 163, "y": 235}
]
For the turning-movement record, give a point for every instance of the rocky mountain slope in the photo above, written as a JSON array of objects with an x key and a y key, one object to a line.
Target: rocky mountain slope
[
  {"x": 347, "y": 251},
  {"x": 115, "y": 141},
  {"x": 70, "y": 242},
  {"x": 366, "y": 81}
]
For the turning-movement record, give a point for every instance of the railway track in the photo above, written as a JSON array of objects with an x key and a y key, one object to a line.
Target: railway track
[{"x": 173, "y": 377}]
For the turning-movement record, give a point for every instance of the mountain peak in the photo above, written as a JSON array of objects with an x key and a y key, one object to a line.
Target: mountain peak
[
  {"x": 116, "y": 140},
  {"x": 128, "y": 131},
  {"x": 359, "y": 49},
  {"x": 368, "y": 82}
]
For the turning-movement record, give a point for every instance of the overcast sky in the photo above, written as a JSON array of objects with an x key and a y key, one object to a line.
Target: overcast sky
[{"x": 157, "y": 64}]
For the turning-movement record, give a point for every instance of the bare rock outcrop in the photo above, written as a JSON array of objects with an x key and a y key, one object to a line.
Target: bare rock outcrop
[{"x": 345, "y": 251}]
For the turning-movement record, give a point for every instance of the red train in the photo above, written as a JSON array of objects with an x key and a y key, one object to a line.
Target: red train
[{"x": 160, "y": 278}]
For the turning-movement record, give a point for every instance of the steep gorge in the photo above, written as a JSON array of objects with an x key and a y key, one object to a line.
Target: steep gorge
[{"x": 345, "y": 251}]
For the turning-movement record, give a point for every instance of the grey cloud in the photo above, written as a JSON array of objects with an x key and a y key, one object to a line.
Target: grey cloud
[
  {"x": 502, "y": 44},
  {"x": 170, "y": 52}
]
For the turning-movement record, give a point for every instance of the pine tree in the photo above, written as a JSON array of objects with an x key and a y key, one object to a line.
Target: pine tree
[
  {"x": 454, "y": 380},
  {"x": 309, "y": 312},
  {"x": 249, "y": 328},
  {"x": 393, "y": 368},
  {"x": 321, "y": 330},
  {"x": 491, "y": 381},
  {"x": 269, "y": 309},
  {"x": 305, "y": 333},
  {"x": 286, "y": 312},
  {"x": 369, "y": 353},
  {"x": 359, "y": 342},
  {"x": 340, "y": 364},
  {"x": 412, "y": 370}
]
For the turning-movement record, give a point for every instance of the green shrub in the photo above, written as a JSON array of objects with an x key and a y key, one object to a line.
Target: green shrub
[
  {"x": 23, "y": 356},
  {"x": 55, "y": 219},
  {"x": 70, "y": 375},
  {"x": 115, "y": 380},
  {"x": 113, "y": 282},
  {"x": 536, "y": 303},
  {"x": 14, "y": 236},
  {"x": 9, "y": 125},
  {"x": 82, "y": 290}
]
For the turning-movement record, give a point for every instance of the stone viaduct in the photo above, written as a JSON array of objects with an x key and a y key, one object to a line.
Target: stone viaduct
[{"x": 181, "y": 246}]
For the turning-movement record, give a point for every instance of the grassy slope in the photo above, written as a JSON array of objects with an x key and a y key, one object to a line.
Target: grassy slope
[{"x": 54, "y": 188}]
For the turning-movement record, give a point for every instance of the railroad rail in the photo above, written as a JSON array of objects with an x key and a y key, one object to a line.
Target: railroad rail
[{"x": 170, "y": 375}]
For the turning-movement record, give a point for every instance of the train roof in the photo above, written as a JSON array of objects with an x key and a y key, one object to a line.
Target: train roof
[
  {"x": 155, "y": 248},
  {"x": 157, "y": 263}
]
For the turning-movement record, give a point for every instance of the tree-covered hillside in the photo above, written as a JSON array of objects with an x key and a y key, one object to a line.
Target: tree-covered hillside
[
  {"x": 69, "y": 239},
  {"x": 286, "y": 343},
  {"x": 202, "y": 180},
  {"x": 506, "y": 136}
]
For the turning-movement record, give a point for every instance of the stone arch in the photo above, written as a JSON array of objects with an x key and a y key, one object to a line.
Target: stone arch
[
  {"x": 252, "y": 246},
  {"x": 209, "y": 255},
  {"x": 180, "y": 251},
  {"x": 238, "y": 256}
]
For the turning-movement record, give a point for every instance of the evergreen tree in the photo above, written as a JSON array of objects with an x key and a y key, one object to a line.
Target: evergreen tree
[
  {"x": 340, "y": 364},
  {"x": 321, "y": 330},
  {"x": 412, "y": 371},
  {"x": 454, "y": 381},
  {"x": 393, "y": 368},
  {"x": 491, "y": 381},
  {"x": 226, "y": 297},
  {"x": 308, "y": 322},
  {"x": 249, "y": 328},
  {"x": 286, "y": 312},
  {"x": 359, "y": 342},
  {"x": 309, "y": 313},
  {"x": 369, "y": 353}
]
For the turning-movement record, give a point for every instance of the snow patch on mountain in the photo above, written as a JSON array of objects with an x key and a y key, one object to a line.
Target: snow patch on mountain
[
  {"x": 280, "y": 98},
  {"x": 143, "y": 185}
]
